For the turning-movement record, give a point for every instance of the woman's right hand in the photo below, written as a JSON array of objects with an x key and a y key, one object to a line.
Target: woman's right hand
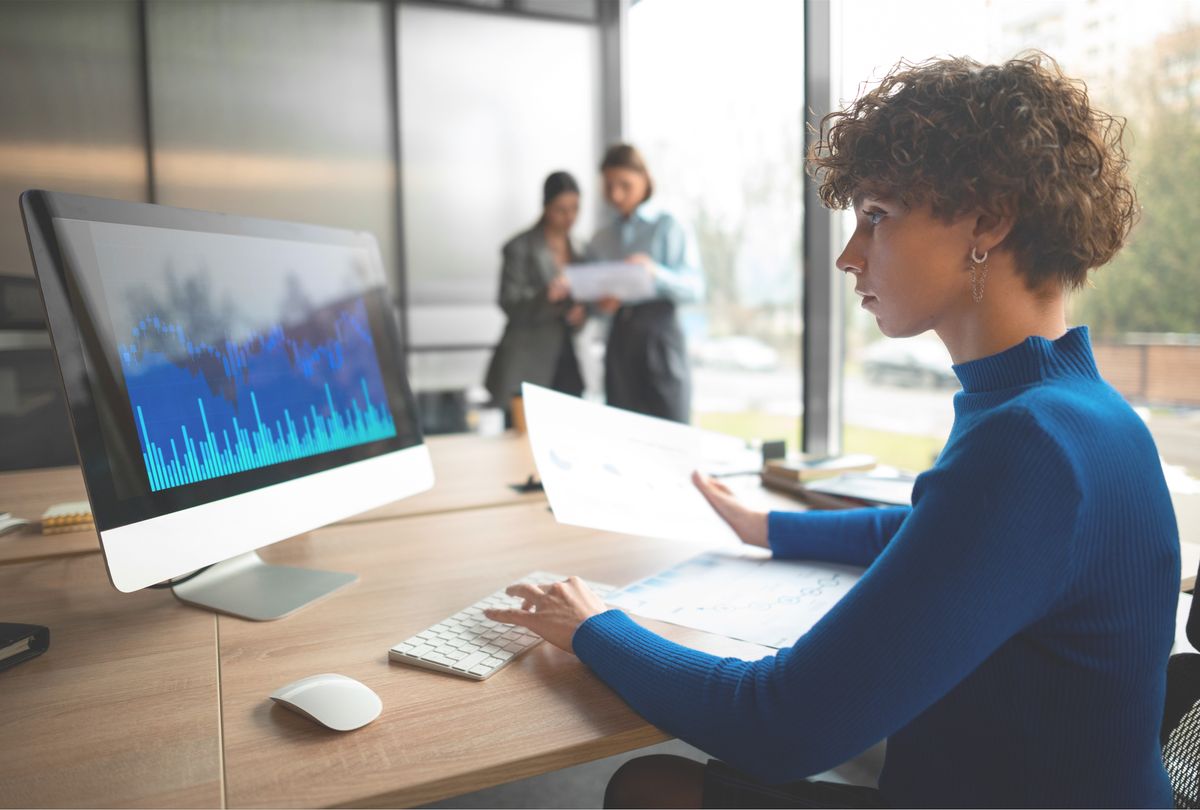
[
  {"x": 748, "y": 524},
  {"x": 608, "y": 304},
  {"x": 558, "y": 289}
]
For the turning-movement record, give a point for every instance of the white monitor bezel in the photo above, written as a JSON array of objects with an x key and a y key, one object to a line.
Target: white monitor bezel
[{"x": 150, "y": 551}]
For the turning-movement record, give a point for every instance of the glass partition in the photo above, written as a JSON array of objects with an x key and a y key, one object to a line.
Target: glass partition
[
  {"x": 273, "y": 110},
  {"x": 489, "y": 105}
]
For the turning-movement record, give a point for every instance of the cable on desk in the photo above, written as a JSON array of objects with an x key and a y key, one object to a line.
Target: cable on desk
[{"x": 170, "y": 583}]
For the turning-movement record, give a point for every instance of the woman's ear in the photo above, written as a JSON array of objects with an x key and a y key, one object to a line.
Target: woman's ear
[{"x": 992, "y": 228}]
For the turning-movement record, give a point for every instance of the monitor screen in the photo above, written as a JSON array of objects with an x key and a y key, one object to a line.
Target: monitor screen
[{"x": 206, "y": 356}]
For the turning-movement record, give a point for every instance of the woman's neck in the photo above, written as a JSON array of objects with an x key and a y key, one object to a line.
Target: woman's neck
[{"x": 1008, "y": 313}]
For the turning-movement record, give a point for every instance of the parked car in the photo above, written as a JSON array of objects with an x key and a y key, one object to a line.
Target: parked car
[
  {"x": 735, "y": 352},
  {"x": 920, "y": 361}
]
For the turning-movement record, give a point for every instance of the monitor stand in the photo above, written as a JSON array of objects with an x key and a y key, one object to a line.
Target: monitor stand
[{"x": 250, "y": 588}]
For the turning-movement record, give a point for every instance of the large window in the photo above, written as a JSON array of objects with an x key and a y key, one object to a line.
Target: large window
[
  {"x": 1144, "y": 308},
  {"x": 716, "y": 104}
]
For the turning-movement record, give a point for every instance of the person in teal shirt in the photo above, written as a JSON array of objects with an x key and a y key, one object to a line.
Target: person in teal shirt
[
  {"x": 1009, "y": 636},
  {"x": 645, "y": 362}
]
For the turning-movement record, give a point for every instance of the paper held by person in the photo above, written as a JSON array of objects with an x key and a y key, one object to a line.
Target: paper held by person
[
  {"x": 605, "y": 468},
  {"x": 621, "y": 280}
]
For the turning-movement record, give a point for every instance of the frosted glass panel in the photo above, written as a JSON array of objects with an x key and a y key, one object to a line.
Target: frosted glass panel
[
  {"x": 72, "y": 112},
  {"x": 489, "y": 106},
  {"x": 278, "y": 110}
]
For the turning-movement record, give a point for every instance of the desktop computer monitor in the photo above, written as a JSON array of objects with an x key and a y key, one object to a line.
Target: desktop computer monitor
[{"x": 231, "y": 382}]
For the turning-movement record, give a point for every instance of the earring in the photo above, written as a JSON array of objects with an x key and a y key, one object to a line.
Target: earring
[{"x": 978, "y": 274}]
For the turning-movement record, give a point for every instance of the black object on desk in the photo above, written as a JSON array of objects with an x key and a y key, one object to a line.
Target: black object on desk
[
  {"x": 20, "y": 642},
  {"x": 531, "y": 484},
  {"x": 774, "y": 449}
]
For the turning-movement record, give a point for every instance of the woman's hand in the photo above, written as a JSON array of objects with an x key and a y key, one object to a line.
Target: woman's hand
[
  {"x": 558, "y": 289},
  {"x": 554, "y": 612},
  {"x": 576, "y": 315},
  {"x": 608, "y": 304},
  {"x": 748, "y": 524},
  {"x": 646, "y": 262}
]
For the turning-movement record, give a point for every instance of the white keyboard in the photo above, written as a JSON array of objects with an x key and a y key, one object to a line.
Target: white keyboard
[{"x": 473, "y": 646}]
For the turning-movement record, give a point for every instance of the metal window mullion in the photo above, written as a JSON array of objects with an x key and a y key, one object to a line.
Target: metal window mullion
[
  {"x": 823, "y": 330},
  {"x": 614, "y": 25}
]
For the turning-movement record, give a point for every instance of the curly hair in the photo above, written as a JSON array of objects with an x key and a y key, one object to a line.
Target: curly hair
[{"x": 1017, "y": 139}]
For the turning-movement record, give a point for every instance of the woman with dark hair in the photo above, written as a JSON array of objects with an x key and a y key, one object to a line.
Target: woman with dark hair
[
  {"x": 1010, "y": 635},
  {"x": 536, "y": 346},
  {"x": 645, "y": 363}
]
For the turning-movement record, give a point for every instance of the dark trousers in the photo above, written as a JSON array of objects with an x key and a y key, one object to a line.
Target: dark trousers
[
  {"x": 645, "y": 364},
  {"x": 725, "y": 787},
  {"x": 567, "y": 377}
]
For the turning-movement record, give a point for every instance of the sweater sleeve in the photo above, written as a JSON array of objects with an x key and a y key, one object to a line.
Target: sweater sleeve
[
  {"x": 848, "y": 536},
  {"x": 985, "y": 552}
]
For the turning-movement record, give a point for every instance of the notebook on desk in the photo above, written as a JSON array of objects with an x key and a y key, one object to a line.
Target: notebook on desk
[{"x": 880, "y": 487}]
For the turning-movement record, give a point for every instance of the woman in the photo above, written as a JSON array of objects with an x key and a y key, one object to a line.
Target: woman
[
  {"x": 645, "y": 363},
  {"x": 1010, "y": 635},
  {"x": 536, "y": 346}
]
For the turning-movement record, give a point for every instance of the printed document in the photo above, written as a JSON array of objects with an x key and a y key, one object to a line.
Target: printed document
[
  {"x": 596, "y": 280},
  {"x": 746, "y": 596},
  {"x": 606, "y": 468}
]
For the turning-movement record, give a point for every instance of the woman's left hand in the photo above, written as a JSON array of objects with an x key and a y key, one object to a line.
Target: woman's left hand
[{"x": 554, "y": 612}]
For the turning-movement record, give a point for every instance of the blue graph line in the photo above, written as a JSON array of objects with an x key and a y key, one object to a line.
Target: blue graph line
[{"x": 180, "y": 390}]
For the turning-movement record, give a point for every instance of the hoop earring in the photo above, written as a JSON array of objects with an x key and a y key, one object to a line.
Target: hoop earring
[{"x": 978, "y": 274}]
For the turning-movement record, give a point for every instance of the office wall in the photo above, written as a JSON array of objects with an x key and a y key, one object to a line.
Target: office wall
[
  {"x": 278, "y": 110},
  {"x": 292, "y": 109},
  {"x": 70, "y": 108}
]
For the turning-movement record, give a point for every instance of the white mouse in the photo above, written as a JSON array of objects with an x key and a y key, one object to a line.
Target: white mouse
[{"x": 334, "y": 701}]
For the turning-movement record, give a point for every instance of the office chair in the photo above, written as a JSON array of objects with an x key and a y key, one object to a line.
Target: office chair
[{"x": 1181, "y": 718}]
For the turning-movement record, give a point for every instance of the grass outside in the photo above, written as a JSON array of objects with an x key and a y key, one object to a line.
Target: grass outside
[{"x": 908, "y": 452}]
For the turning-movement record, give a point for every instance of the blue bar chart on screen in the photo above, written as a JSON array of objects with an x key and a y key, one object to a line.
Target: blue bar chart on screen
[{"x": 209, "y": 409}]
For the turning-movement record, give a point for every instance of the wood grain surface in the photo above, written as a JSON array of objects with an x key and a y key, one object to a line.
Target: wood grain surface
[
  {"x": 439, "y": 735},
  {"x": 122, "y": 709},
  {"x": 26, "y": 494}
]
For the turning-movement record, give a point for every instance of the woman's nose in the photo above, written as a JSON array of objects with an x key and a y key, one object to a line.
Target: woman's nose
[{"x": 848, "y": 262}]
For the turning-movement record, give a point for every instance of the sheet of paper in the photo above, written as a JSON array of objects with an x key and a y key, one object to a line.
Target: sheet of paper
[
  {"x": 605, "y": 468},
  {"x": 593, "y": 281},
  {"x": 751, "y": 598}
]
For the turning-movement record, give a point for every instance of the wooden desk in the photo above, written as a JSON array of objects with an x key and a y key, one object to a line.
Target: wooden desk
[
  {"x": 26, "y": 494},
  {"x": 472, "y": 472},
  {"x": 439, "y": 735},
  {"x": 122, "y": 710}
]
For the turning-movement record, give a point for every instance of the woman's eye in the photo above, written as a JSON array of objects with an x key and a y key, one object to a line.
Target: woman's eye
[{"x": 874, "y": 217}]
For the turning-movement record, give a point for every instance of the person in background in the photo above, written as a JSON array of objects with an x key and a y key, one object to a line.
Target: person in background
[
  {"x": 645, "y": 362},
  {"x": 536, "y": 345},
  {"x": 1010, "y": 634}
]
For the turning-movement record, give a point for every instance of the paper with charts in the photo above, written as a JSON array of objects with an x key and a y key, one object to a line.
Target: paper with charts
[
  {"x": 623, "y": 280},
  {"x": 605, "y": 468},
  {"x": 751, "y": 598}
]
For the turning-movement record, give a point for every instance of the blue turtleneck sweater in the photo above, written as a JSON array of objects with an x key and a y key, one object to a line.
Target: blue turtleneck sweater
[{"x": 1009, "y": 637}]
